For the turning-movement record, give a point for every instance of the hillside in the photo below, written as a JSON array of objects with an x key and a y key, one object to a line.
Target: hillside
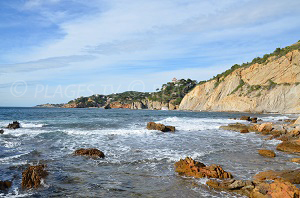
[
  {"x": 168, "y": 96},
  {"x": 268, "y": 84}
]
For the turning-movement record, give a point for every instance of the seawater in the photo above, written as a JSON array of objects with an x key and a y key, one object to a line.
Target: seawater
[{"x": 138, "y": 163}]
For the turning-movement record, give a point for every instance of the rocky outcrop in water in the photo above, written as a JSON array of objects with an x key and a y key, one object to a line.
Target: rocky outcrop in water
[
  {"x": 192, "y": 168},
  {"x": 267, "y": 153},
  {"x": 91, "y": 152},
  {"x": 292, "y": 176},
  {"x": 271, "y": 86},
  {"x": 1, "y": 131},
  {"x": 14, "y": 125},
  {"x": 160, "y": 127},
  {"x": 33, "y": 175},
  {"x": 4, "y": 185},
  {"x": 236, "y": 127}
]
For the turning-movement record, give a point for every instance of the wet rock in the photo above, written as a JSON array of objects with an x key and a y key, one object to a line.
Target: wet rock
[
  {"x": 297, "y": 122},
  {"x": 238, "y": 186},
  {"x": 297, "y": 160},
  {"x": 14, "y": 125},
  {"x": 236, "y": 127},
  {"x": 254, "y": 120},
  {"x": 4, "y": 185},
  {"x": 267, "y": 153},
  {"x": 289, "y": 146},
  {"x": 33, "y": 175},
  {"x": 1, "y": 131},
  {"x": 245, "y": 118},
  {"x": 160, "y": 127},
  {"x": 265, "y": 128},
  {"x": 292, "y": 176},
  {"x": 290, "y": 120},
  {"x": 190, "y": 167},
  {"x": 91, "y": 152},
  {"x": 277, "y": 189}
]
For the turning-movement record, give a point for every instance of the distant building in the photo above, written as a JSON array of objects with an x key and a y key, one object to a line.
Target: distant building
[{"x": 174, "y": 80}]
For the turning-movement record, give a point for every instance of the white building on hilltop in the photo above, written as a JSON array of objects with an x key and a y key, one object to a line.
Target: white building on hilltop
[{"x": 174, "y": 80}]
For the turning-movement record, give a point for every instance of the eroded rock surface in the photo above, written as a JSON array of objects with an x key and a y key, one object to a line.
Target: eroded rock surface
[
  {"x": 90, "y": 152},
  {"x": 33, "y": 175}
]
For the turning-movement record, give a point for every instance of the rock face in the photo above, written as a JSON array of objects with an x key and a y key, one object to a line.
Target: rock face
[
  {"x": 279, "y": 76},
  {"x": 32, "y": 176},
  {"x": 190, "y": 167},
  {"x": 292, "y": 176},
  {"x": 92, "y": 152},
  {"x": 14, "y": 125},
  {"x": 289, "y": 146},
  {"x": 277, "y": 189},
  {"x": 4, "y": 185},
  {"x": 267, "y": 153},
  {"x": 160, "y": 127}
]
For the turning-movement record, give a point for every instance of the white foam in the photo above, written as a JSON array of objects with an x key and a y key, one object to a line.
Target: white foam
[
  {"x": 31, "y": 125},
  {"x": 274, "y": 118}
]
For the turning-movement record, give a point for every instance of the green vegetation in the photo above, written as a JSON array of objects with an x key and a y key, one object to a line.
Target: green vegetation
[{"x": 242, "y": 83}]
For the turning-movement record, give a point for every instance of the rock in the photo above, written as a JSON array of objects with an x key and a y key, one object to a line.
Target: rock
[
  {"x": 297, "y": 160},
  {"x": 267, "y": 153},
  {"x": 245, "y": 118},
  {"x": 4, "y": 185},
  {"x": 297, "y": 122},
  {"x": 290, "y": 120},
  {"x": 292, "y": 176},
  {"x": 91, "y": 152},
  {"x": 265, "y": 128},
  {"x": 254, "y": 120},
  {"x": 190, "y": 167},
  {"x": 160, "y": 127},
  {"x": 236, "y": 127},
  {"x": 33, "y": 175},
  {"x": 1, "y": 131},
  {"x": 232, "y": 185},
  {"x": 107, "y": 106},
  {"x": 277, "y": 189},
  {"x": 14, "y": 125},
  {"x": 289, "y": 146}
]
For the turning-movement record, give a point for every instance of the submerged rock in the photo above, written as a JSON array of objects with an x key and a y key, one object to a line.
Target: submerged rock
[
  {"x": 289, "y": 146},
  {"x": 278, "y": 189},
  {"x": 1, "y": 131},
  {"x": 4, "y": 185},
  {"x": 160, "y": 127},
  {"x": 91, "y": 152},
  {"x": 292, "y": 176},
  {"x": 267, "y": 153},
  {"x": 14, "y": 125},
  {"x": 190, "y": 167},
  {"x": 33, "y": 175}
]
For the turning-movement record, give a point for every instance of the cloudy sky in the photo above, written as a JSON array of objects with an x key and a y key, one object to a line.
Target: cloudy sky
[{"x": 55, "y": 50}]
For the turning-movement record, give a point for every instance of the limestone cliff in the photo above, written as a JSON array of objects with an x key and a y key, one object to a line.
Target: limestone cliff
[{"x": 272, "y": 86}]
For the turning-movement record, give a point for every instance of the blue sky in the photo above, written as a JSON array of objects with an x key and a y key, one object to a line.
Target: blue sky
[{"x": 55, "y": 50}]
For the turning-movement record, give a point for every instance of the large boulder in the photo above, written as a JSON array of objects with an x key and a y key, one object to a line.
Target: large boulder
[
  {"x": 33, "y": 175},
  {"x": 14, "y": 125},
  {"x": 289, "y": 146},
  {"x": 190, "y": 167},
  {"x": 278, "y": 189},
  {"x": 267, "y": 153},
  {"x": 236, "y": 127},
  {"x": 265, "y": 128},
  {"x": 292, "y": 176},
  {"x": 160, "y": 127},
  {"x": 4, "y": 185},
  {"x": 91, "y": 152},
  {"x": 1, "y": 131}
]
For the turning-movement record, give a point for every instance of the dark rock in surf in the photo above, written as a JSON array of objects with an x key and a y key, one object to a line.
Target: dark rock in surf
[
  {"x": 4, "y": 185},
  {"x": 245, "y": 118},
  {"x": 14, "y": 125},
  {"x": 160, "y": 127},
  {"x": 33, "y": 175},
  {"x": 1, "y": 131},
  {"x": 91, "y": 152}
]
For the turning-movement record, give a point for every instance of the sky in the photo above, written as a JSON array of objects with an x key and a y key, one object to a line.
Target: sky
[{"x": 53, "y": 51}]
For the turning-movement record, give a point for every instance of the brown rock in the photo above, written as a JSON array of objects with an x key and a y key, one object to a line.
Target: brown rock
[
  {"x": 297, "y": 160},
  {"x": 292, "y": 176},
  {"x": 160, "y": 127},
  {"x": 297, "y": 121},
  {"x": 91, "y": 152},
  {"x": 4, "y": 185},
  {"x": 244, "y": 131},
  {"x": 235, "y": 127},
  {"x": 267, "y": 153},
  {"x": 32, "y": 176},
  {"x": 289, "y": 146},
  {"x": 265, "y": 128},
  {"x": 277, "y": 189},
  {"x": 245, "y": 118},
  {"x": 190, "y": 167},
  {"x": 254, "y": 120},
  {"x": 14, "y": 125}
]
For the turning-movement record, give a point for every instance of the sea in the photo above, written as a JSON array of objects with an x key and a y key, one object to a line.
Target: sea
[{"x": 138, "y": 162}]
